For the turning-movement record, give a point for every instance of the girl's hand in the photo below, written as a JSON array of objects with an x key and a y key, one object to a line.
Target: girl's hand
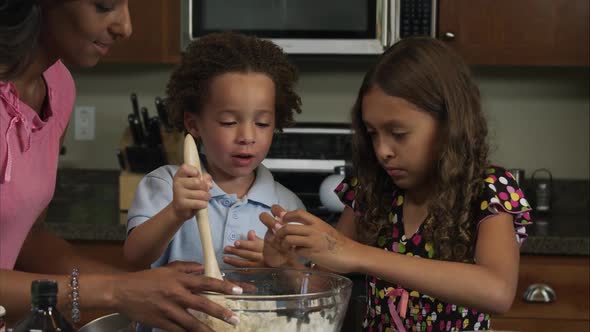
[
  {"x": 145, "y": 297},
  {"x": 274, "y": 255},
  {"x": 190, "y": 192},
  {"x": 318, "y": 241},
  {"x": 249, "y": 250}
]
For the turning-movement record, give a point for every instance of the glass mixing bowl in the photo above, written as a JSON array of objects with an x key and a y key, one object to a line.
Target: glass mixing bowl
[{"x": 284, "y": 300}]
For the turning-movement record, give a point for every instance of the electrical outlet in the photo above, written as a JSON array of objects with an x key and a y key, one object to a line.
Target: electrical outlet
[{"x": 84, "y": 129}]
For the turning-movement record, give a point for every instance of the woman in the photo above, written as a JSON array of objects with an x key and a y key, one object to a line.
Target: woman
[{"x": 36, "y": 99}]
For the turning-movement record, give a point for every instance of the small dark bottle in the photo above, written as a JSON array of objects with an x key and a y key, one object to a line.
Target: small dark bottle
[{"x": 44, "y": 315}]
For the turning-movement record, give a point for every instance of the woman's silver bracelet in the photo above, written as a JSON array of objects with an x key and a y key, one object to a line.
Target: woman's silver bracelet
[{"x": 75, "y": 294}]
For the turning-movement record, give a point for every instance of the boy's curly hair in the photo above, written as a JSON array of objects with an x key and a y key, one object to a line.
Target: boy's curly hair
[
  {"x": 427, "y": 73},
  {"x": 219, "y": 53}
]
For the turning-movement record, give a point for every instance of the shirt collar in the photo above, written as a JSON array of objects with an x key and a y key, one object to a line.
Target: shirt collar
[
  {"x": 262, "y": 190},
  {"x": 23, "y": 121}
]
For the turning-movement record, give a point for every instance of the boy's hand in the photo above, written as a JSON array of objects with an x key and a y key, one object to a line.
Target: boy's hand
[
  {"x": 190, "y": 192},
  {"x": 249, "y": 250}
]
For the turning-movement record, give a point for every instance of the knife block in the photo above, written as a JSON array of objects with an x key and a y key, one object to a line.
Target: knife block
[
  {"x": 127, "y": 185},
  {"x": 173, "y": 143},
  {"x": 170, "y": 152},
  {"x": 172, "y": 146}
]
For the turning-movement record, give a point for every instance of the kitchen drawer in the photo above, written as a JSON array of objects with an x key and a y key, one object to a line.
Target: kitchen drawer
[
  {"x": 539, "y": 325},
  {"x": 567, "y": 276}
]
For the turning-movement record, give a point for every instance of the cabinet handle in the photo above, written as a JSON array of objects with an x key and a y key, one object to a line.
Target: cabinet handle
[
  {"x": 539, "y": 293},
  {"x": 448, "y": 36}
]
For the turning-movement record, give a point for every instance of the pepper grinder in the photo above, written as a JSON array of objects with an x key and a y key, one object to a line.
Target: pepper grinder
[
  {"x": 542, "y": 187},
  {"x": 518, "y": 174}
]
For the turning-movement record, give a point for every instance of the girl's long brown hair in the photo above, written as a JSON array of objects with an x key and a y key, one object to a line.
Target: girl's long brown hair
[{"x": 427, "y": 73}]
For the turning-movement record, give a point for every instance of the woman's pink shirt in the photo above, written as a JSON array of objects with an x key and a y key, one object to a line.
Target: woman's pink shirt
[{"x": 29, "y": 151}]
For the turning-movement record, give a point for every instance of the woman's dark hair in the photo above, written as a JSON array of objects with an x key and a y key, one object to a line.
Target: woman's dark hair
[
  {"x": 219, "y": 53},
  {"x": 20, "y": 24},
  {"x": 427, "y": 73}
]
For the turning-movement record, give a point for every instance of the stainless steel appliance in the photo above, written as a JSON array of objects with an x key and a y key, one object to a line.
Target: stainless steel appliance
[
  {"x": 302, "y": 157},
  {"x": 313, "y": 27}
]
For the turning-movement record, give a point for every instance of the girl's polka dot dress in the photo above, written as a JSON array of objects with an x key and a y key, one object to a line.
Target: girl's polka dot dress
[{"x": 391, "y": 307}]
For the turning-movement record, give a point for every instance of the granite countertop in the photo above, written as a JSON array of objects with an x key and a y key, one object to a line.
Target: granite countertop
[
  {"x": 558, "y": 235},
  {"x": 566, "y": 235},
  {"x": 85, "y": 208}
]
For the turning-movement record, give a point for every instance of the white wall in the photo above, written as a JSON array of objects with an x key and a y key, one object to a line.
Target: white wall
[{"x": 538, "y": 117}]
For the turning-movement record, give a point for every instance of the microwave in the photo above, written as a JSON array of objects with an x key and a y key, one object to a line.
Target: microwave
[{"x": 313, "y": 26}]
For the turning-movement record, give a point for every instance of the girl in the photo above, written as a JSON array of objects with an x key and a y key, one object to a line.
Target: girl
[
  {"x": 37, "y": 96},
  {"x": 231, "y": 91},
  {"x": 427, "y": 220}
]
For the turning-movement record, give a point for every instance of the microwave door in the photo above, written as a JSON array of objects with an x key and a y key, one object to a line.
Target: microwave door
[{"x": 298, "y": 26}]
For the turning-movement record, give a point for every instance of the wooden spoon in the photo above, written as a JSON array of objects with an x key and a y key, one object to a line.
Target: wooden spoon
[{"x": 191, "y": 157}]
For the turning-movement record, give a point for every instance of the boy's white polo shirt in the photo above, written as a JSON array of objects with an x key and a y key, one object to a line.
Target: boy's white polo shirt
[{"x": 230, "y": 218}]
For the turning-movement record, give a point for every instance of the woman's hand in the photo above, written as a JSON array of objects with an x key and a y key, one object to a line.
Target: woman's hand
[
  {"x": 317, "y": 241},
  {"x": 160, "y": 297},
  {"x": 249, "y": 250},
  {"x": 190, "y": 191}
]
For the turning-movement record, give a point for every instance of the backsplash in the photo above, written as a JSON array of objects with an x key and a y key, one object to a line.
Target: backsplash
[
  {"x": 538, "y": 117},
  {"x": 568, "y": 197},
  {"x": 85, "y": 197},
  {"x": 91, "y": 196}
]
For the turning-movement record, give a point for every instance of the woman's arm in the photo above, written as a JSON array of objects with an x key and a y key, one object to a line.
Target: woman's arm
[
  {"x": 15, "y": 291},
  {"x": 488, "y": 285},
  {"x": 142, "y": 296}
]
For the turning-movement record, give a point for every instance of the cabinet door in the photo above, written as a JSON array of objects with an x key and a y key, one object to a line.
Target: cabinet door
[
  {"x": 521, "y": 32},
  {"x": 156, "y": 34},
  {"x": 539, "y": 325},
  {"x": 568, "y": 277}
]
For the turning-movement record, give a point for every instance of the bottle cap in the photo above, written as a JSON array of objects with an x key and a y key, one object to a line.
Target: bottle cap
[
  {"x": 44, "y": 288},
  {"x": 44, "y": 293}
]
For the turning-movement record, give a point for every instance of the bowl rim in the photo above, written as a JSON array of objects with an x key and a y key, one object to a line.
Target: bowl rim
[
  {"x": 103, "y": 318},
  {"x": 343, "y": 283}
]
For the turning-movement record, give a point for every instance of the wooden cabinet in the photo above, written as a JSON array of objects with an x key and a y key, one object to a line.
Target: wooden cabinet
[
  {"x": 569, "y": 277},
  {"x": 522, "y": 32},
  {"x": 484, "y": 32},
  {"x": 155, "y": 37}
]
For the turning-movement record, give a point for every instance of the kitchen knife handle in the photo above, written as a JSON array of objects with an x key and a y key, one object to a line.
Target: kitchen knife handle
[
  {"x": 154, "y": 132},
  {"x": 135, "y": 128},
  {"x": 145, "y": 116},
  {"x": 161, "y": 109},
  {"x": 135, "y": 104},
  {"x": 121, "y": 159}
]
